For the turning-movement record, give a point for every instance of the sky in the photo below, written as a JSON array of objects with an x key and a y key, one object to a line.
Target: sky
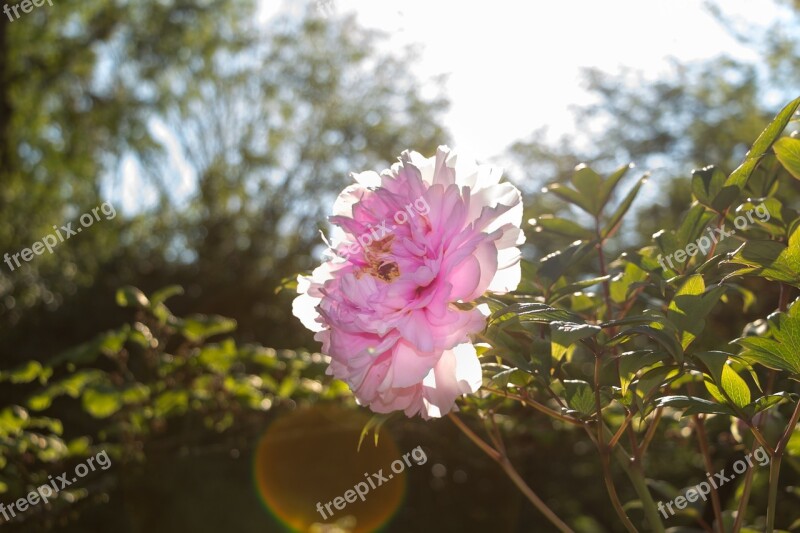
[{"x": 504, "y": 79}]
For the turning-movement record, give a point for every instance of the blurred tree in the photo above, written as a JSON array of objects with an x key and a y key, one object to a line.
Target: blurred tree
[
  {"x": 705, "y": 113},
  {"x": 268, "y": 123}
]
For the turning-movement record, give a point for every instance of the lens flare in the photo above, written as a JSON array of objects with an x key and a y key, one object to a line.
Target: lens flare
[{"x": 310, "y": 457}]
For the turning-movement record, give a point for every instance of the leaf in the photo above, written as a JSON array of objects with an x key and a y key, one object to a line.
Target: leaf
[
  {"x": 739, "y": 177},
  {"x": 663, "y": 337},
  {"x": 375, "y": 423},
  {"x": 610, "y": 184},
  {"x": 652, "y": 380},
  {"x": 578, "y": 286},
  {"x": 782, "y": 351},
  {"x": 13, "y": 420},
  {"x": 564, "y": 334},
  {"x": 769, "y": 259},
  {"x": 27, "y": 372},
  {"x": 689, "y": 307},
  {"x": 561, "y": 226},
  {"x": 734, "y": 387},
  {"x": 218, "y": 357},
  {"x": 708, "y": 186},
  {"x": 197, "y": 328},
  {"x": 570, "y": 195},
  {"x": 171, "y": 402},
  {"x": 613, "y": 223},
  {"x": 129, "y": 296},
  {"x": 580, "y": 397},
  {"x": 555, "y": 264},
  {"x": 162, "y": 295},
  {"x": 787, "y": 150},
  {"x": 101, "y": 402},
  {"x": 532, "y": 312},
  {"x": 620, "y": 286},
  {"x": 765, "y": 402},
  {"x": 588, "y": 183},
  {"x": 712, "y": 363},
  {"x": 693, "y": 405}
]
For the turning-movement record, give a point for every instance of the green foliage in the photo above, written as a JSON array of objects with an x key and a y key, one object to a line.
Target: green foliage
[
  {"x": 620, "y": 344},
  {"x": 787, "y": 150},
  {"x": 139, "y": 379}
]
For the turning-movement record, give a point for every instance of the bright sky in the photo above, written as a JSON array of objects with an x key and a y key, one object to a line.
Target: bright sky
[{"x": 514, "y": 66}]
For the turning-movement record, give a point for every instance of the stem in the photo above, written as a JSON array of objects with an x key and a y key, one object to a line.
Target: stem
[
  {"x": 621, "y": 429},
  {"x": 759, "y": 437},
  {"x": 512, "y": 473},
  {"x": 651, "y": 431},
  {"x": 702, "y": 438},
  {"x": 774, "y": 474},
  {"x": 605, "y": 450},
  {"x": 634, "y": 472},
  {"x": 536, "y": 405},
  {"x": 740, "y": 512},
  {"x": 612, "y": 492},
  {"x": 783, "y": 300},
  {"x": 775, "y": 468},
  {"x": 636, "y": 475},
  {"x": 604, "y": 272}
]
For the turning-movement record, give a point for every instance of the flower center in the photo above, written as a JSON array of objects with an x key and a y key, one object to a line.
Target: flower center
[{"x": 381, "y": 263}]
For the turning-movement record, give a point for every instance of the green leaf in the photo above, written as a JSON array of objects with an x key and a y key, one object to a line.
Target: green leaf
[
  {"x": 561, "y": 226},
  {"x": 565, "y": 334},
  {"x": 588, "y": 183},
  {"x": 218, "y": 357},
  {"x": 374, "y": 424},
  {"x": 621, "y": 286},
  {"x": 580, "y": 396},
  {"x": 765, "y": 402},
  {"x": 13, "y": 420},
  {"x": 616, "y": 219},
  {"x": 770, "y": 259},
  {"x": 197, "y": 328},
  {"x": 653, "y": 380},
  {"x": 27, "y": 372},
  {"x": 712, "y": 363},
  {"x": 708, "y": 186},
  {"x": 782, "y": 351},
  {"x": 689, "y": 307},
  {"x": 129, "y": 296},
  {"x": 135, "y": 394},
  {"x": 532, "y": 312},
  {"x": 162, "y": 295},
  {"x": 578, "y": 286},
  {"x": 787, "y": 150},
  {"x": 610, "y": 184},
  {"x": 571, "y": 195},
  {"x": 101, "y": 402},
  {"x": 554, "y": 265},
  {"x": 734, "y": 387},
  {"x": 693, "y": 405},
  {"x": 739, "y": 177},
  {"x": 665, "y": 338},
  {"x": 171, "y": 402}
]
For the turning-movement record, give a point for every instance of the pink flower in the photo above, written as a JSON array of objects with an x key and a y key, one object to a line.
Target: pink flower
[{"x": 417, "y": 239}]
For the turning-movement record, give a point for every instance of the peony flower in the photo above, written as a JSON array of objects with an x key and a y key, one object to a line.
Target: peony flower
[{"x": 418, "y": 239}]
